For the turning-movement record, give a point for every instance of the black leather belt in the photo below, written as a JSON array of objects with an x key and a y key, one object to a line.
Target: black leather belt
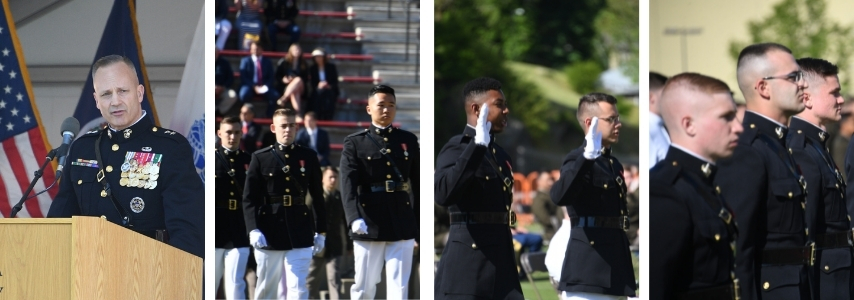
[
  {"x": 724, "y": 292},
  {"x": 789, "y": 256},
  {"x": 601, "y": 222},
  {"x": 484, "y": 218},
  {"x": 832, "y": 240},
  {"x": 286, "y": 200},
  {"x": 389, "y": 186},
  {"x": 158, "y": 234}
]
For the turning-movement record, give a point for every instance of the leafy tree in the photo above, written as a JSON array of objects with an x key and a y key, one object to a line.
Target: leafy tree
[{"x": 802, "y": 26}]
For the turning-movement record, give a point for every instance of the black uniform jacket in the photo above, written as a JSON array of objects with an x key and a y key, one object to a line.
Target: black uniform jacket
[
  {"x": 372, "y": 190},
  {"x": 161, "y": 188},
  {"x": 274, "y": 200},
  {"x": 597, "y": 259},
  {"x": 761, "y": 185},
  {"x": 691, "y": 249},
  {"x": 228, "y": 203},
  {"x": 478, "y": 259},
  {"x": 826, "y": 212}
]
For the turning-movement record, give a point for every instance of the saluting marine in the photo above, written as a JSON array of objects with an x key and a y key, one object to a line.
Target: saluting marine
[
  {"x": 283, "y": 230},
  {"x": 232, "y": 243},
  {"x": 133, "y": 173},
  {"x": 592, "y": 188},
  {"x": 826, "y": 213},
  {"x": 761, "y": 182},
  {"x": 691, "y": 248},
  {"x": 474, "y": 180},
  {"x": 380, "y": 193}
]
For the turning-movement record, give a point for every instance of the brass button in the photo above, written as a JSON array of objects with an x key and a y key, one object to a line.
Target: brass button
[
  {"x": 674, "y": 163},
  {"x": 81, "y": 182},
  {"x": 363, "y": 205},
  {"x": 499, "y": 169},
  {"x": 606, "y": 185},
  {"x": 407, "y": 203},
  {"x": 115, "y": 147},
  {"x": 765, "y": 285},
  {"x": 154, "y": 129},
  {"x": 505, "y": 188},
  {"x": 827, "y": 268},
  {"x": 231, "y": 193},
  {"x": 231, "y": 160},
  {"x": 790, "y": 150},
  {"x": 473, "y": 246},
  {"x": 388, "y": 163},
  {"x": 109, "y": 169},
  {"x": 287, "y": 156},
  {"x": 591, "y": 243},
  {"x": 621, "y": 195},
  {"x": 807, "y": 231},
  {"x": 718, "y": 189},
  {"x": 103, "y": 217},
  {"x": 288, "y": 178},
  {"x": 611, "y": 160},
  {"x": 753, "y": 126},
  {"x": 385, "y": 139},
  {"x": 388, "y": 176},
  {"x": 103, "y": 193},
  {"x": 487, "y": 177},
  {"x": 305, "y": 214},
  {"x": 232, "y": 182},
  {"x": 717, "y": 237},
  {"x": 287, "y": 190},
  {"x": 369, "y": 158},
  {"x": 387, "y": 150},
  {"x": 790, "y": 195}
]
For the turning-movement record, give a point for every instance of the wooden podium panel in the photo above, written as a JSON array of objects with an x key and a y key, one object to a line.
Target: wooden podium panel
[{"x": 91, "y": 258}]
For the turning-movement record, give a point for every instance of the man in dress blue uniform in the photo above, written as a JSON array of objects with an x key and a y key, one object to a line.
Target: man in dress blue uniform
[
  {"x": 232, "y": 244},
  {"x": 761, "y": 182},
  {"x": 380, "y": 194},
  {"x": 827, "y": 215},
  {"x": 474, "y": 180},
  {"x": 132, "y": 172},
  {"x": 693, "y": 230},
  {"x": 284, "y": 231},
  {"x": 592, "y": 188}
]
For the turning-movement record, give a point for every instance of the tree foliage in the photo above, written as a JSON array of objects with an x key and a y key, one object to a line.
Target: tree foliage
[{"x": 802, "y": 26}]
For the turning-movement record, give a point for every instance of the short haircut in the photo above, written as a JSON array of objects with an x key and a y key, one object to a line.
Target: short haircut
[
  {"x": 479, "y": 87},
  {"x": 249, "y": 106},
  {"x": 759, "y": 50},
  {"x": 817, "y": 66},
  {"x": 111, "y": 59},
  {"x": 330, "y": 168},
  {"x": 381, "y": 89},
  {"x": 230, "y": 120},
  {"x": 310, "y": 114},
  {"x": 696, "y": 82},
  {"x": 750, "y": 58},
  {"x": 285, "y": 112},
  {"x": 592, "y": 100},
  {"x": 656, "y": 80}
]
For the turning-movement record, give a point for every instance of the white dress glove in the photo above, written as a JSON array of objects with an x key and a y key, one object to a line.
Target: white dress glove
[
  {"x": 256, "y": 239},
  {"x": 319, "y": 243},
  {"x": 359, "y": 226},
  {"x": 594, "y": 141},
  {"x": 481, "y": 129}
]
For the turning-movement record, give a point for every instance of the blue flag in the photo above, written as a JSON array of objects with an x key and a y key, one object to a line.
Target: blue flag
[{"x": 120, "y": 37}]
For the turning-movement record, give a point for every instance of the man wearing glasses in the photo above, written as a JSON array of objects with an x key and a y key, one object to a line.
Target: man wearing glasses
[
  {"x": 284, "y": 231},
  {"x": 827, "y": 215},
  {"x": 762, "y": 183},
  {"x": 593, "y": 189}
]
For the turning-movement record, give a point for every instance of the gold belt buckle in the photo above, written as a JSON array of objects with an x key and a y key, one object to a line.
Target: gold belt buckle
[
  {"x": 625, "y": 223},
  {"x": 812, "y": 253},
  {"x": 389, "y": 186},
  {"x": 512, "y": 218},
  {"x": 232, "y": 204},
  {"x": 287, "y": 200}
]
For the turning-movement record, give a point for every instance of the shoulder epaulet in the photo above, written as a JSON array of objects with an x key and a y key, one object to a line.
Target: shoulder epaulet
[
  {"x": 91, "y": 133},
  {"x": 748, "y": 135},
  {"x": 160, "y": 131},
  {"x": 363, "y": 132},
  {"x": 265, "y": 149}
]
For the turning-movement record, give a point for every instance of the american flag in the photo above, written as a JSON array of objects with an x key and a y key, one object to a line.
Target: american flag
[{"x": 23, "y": 146}]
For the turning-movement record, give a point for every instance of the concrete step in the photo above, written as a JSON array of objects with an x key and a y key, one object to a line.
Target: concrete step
[
  {"x": 323, "y": 5},
  {"x": 410, "y": 66},
  {"x": 378, "y": 12},
  {"x": 394, "y": 56},
  {"x": 360, "y": 90},
  {"x": 379, "y": 34},
  {"x": 374, "y": 46},
  {"x": 393, "y": 78},
  {"x": 314, "y": 24},
  {"x": 386, "y": 23}
]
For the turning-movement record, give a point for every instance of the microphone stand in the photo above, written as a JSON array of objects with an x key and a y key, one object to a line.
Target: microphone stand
[{"x": 38, "y": 174}]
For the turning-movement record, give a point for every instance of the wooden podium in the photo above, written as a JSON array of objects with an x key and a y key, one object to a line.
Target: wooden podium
[{"x": 91, "y": 258}]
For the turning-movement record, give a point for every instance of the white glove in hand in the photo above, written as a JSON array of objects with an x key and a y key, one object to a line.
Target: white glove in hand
[
  {"x": 481, "y": 129},
  {"x": 256, "y": 239},
  {"x": 594, "y": 140},
  {"x": 319, "y": 243},
  {"x": 359, "y": 226}
]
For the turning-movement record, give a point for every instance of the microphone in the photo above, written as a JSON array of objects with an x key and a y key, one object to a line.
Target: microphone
[{"x": 69, "y": 129}]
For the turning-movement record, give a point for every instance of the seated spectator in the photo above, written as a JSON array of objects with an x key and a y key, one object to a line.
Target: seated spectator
[
  {"x": 315, "y": 138},
  {"x": 223, "y": 25},
  {"x": 248, "y": 21},
  {"x": 324, "y": 80},
  {"x": 223, "y": 80},
  {"x": 256, "y": 77},
  {"x": 291, "y": 74},
  {"x": 546, "y": 213},
  {"x": 281, "y": 15},
  {"x": 252, "y": 132}
]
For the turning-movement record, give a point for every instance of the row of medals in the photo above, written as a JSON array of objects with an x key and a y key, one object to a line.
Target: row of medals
[{"x": 140, "y": 177}]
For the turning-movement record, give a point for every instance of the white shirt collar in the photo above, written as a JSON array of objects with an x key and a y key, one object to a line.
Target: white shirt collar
[
  {"x": 769, "y": 119},
  {"x": 692, "y": 153},
  {"x": 131, "y": 125}
]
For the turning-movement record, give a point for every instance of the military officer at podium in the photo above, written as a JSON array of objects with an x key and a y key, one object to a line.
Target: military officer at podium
[
  {"x": 232, "y": 243},
  {"x": 593, "y": 189},
  {"x": 474, "y": 180},
  {"x": 827, "y": 215},
  {"x": 284, "y": 231},
  {"x": 132, "y": 172},
  {"x": 761, "y": 182},
  {"x": 692, "y": 229},
  {"x": 379, "y": 190}
]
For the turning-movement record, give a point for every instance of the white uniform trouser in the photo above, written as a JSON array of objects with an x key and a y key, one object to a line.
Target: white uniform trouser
[
  {"x": 269, "y": 272},
  {"x": 588, "y": 296},
  {"x": 370, "y": 257},
  {"x": 232, "y": 262}
]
